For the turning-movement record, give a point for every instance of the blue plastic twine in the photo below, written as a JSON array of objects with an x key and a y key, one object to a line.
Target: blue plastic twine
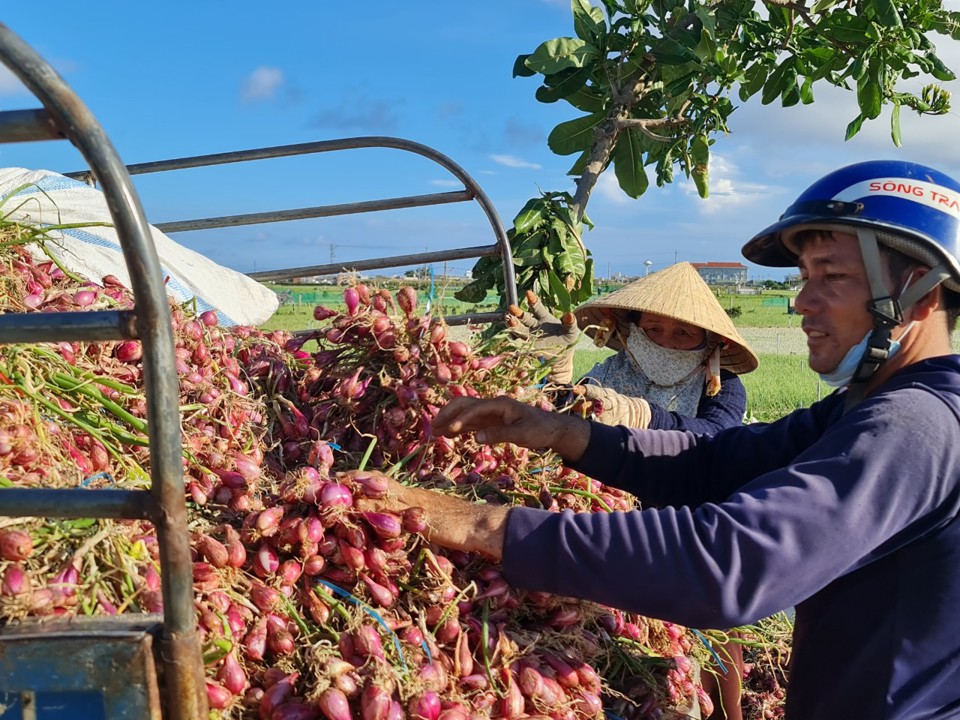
[
  {"x": 97, "y": 476},
  {"x": 376, "y": 616},
  {"x": 709, "y": 647}
]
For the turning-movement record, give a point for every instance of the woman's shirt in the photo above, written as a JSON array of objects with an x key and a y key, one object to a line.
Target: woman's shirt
[{"x": 713, "y": 414}]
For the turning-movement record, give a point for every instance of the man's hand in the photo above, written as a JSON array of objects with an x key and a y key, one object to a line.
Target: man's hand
[
  {"x": 554, "y": 338},
  {"x": 451, "y": 522},
  {"x": 503, "y": 419}
]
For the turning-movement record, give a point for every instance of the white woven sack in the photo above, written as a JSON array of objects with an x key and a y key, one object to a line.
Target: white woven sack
[{"x": 45, "y": 199}]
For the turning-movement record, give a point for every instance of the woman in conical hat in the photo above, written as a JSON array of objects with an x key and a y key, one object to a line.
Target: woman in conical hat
[
  {"x": 677, "y": 364},
  {"x": 678, "y": 355}
]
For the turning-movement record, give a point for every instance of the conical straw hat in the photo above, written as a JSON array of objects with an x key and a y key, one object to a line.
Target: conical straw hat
[{"x": 677, "y": 292}]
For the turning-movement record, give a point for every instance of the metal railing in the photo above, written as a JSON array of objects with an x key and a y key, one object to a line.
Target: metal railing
[{"x": 471, "y": 191}]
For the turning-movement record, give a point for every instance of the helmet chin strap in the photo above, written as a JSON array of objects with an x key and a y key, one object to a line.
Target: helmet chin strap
[{"x": 887, "y": 312}]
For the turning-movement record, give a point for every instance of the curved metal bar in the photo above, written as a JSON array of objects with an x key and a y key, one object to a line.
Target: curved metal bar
[
  {"x": 315, "y": 212},
  {"x": 184, "y": 674},
  {"x": 376, "y": 263},
  {"x": 372, "y": 141}
]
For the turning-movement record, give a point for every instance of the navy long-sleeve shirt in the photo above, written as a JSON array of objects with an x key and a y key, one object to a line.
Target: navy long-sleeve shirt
[{"x": 850, "y": 518}]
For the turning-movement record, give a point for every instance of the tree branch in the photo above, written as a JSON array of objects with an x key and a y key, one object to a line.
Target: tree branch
[{"x": 645, "y": 126}]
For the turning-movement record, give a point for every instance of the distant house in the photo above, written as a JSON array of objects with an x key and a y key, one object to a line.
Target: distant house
[{"x": 722, "y": 273}]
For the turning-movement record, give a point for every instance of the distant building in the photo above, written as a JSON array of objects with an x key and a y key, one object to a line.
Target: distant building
[
  {"x": 794, "y": 280},
  {"x": 722, "y": 273}
]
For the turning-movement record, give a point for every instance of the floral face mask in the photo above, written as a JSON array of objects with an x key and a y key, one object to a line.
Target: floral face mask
[{"x": 663, "y": 366}]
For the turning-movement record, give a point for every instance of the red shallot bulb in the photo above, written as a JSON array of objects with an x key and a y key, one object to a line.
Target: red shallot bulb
[{"x": 15, "y": 545}]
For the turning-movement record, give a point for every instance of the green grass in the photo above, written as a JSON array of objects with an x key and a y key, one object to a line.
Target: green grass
[
  {"x": 584, "y": 360},
  {"x": 779, "y": 386},
  {"x": 768, "y": 310}
]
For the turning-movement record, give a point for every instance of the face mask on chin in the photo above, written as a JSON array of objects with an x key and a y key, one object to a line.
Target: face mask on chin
[
  {"x": 842, "y": 374},
  {"x": 663, "y": 366}
]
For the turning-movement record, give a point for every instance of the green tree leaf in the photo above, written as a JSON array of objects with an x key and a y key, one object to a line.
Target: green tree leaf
[
  {"x": 588, "y": 21},
  {"x": 938, "y": 69},
  {"x": 475, "y": 291},
  {"x": 885, "y": 11},
  {"x": 628, "y": 163},
  {"x": 700, "y": 158},
  {"x": 530, "y": 216},
  {"x": 777, "y": 81},
  {"x": 707, "y": 18},
  {"x": 559, "y": 291},
  {"x": 587, "y": 100},
  {"x": 574, "y": 135},
  {"x": 854, "y": 127},
  {"x": 753, "y": 80},
  {"x": 822, "y": 5},
  {"x": 585, "y": 290},
  {"x": 561, "y": 85},
  {"x": 791, "y": 94},
  {"x": 520, "y": 68},
  {"x": 562, "y": 53},
  {"x": 869, "y": 97},
  {"x": 844, "y": 28},
  {"x": 580, "y": 166},
  {"x": 671, "y": 52}
]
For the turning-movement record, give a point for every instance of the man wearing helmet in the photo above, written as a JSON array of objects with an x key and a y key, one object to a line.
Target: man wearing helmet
[{"x": 847, "y": 510}]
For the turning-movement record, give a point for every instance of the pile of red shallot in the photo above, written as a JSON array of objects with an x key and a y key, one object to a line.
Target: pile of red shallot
[{"x": 308, "y": 607}]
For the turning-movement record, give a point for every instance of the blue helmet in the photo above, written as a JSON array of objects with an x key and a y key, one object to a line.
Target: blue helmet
[{"x": 911, "y": 208}]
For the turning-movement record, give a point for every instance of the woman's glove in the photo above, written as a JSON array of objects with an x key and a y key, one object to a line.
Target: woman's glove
[
  {"x": 611, "y": 408},
  {"x": 553, "y": 338}
]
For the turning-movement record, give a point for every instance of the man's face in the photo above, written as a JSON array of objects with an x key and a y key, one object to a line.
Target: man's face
[{"x": 833, "y": 301}]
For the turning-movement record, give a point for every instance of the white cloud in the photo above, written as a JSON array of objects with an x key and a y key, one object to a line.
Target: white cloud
[
  {"x": 262, "y": 84},
  {"x": 608, "y": 188},
  {"x": 514, "y": 162},
  {"x": 729, "y": 190},
  {"x": 447, "y": 183}
]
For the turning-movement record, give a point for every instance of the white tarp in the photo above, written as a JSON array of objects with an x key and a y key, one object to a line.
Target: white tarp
[{"x": 93, "y": 250}]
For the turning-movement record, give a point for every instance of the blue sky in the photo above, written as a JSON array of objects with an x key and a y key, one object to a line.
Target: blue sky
[{"x": 178, "y": 79}]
